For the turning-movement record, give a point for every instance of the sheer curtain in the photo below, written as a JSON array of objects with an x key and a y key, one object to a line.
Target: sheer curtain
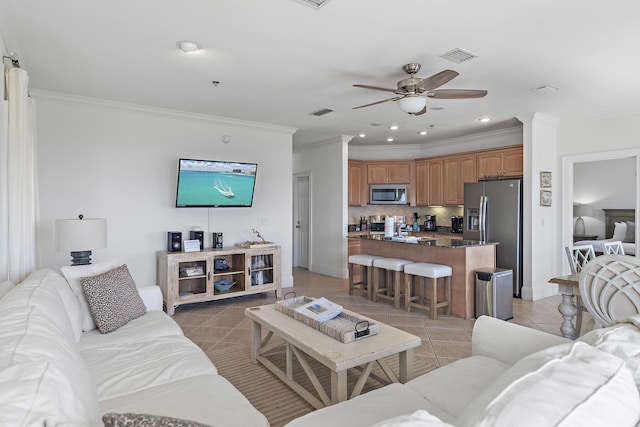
[{"x": 21, "y": 176}]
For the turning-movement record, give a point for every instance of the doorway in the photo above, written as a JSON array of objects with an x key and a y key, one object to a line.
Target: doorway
[
  {"x": 568, "y": 163},
  {"x": 301, "y": 220}
]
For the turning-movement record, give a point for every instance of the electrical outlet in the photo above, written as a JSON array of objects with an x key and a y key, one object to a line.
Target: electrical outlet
[{"x": 265, "y": 221}]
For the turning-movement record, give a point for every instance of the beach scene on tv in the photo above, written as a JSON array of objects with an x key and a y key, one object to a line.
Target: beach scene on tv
[{"x": 215, "y": 183}]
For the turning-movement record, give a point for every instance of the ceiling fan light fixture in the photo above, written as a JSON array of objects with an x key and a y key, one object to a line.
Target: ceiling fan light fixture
[{"x": 412, "y": 104}]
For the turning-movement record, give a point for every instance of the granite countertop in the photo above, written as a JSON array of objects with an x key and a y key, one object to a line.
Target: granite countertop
[{"x": 428, "y": 241}]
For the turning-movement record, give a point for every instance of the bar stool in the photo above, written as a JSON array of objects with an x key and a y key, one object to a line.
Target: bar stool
[
  {"x": 364, "y": 286},
  {"x": 426, "y": 270},
  {"x": 393, "y": 272}
]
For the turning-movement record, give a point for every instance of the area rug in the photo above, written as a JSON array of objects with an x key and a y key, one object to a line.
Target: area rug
[{"x": 272, "y": 397}]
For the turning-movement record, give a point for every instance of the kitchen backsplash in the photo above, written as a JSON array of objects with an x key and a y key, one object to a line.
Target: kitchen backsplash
[{"x": 443, "y": 213}]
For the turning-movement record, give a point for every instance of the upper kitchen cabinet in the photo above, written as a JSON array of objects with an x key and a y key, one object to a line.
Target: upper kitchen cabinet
[
  {"x": 389, "y": 172},
  {"x": 505, "y": 162},
  {"x": 357, "y": 186},
  {"x": 456, "y": 171},
  {"x": 429, "y": 182}
]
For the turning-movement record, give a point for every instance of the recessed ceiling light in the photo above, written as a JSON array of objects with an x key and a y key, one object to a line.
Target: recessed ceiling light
[
  {"x": 362, "y": 135},
  {"x": 376, "y": 124},
  {"x": 187, "y": 46},
  {"x": 437, "y": 107},
  {"x": 393, "y": 127},
  {"x": 484, "y": 119},
  {"x": 422, "y": 132},
  {"x": 389, "y": 139}
]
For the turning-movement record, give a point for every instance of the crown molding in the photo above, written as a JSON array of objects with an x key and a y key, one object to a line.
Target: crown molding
[{"x": 116, "y": 105}]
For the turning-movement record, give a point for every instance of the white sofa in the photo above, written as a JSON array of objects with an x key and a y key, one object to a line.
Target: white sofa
[
  {"x": 516, "y": 377},
  {"x": 52, "y": 373}
]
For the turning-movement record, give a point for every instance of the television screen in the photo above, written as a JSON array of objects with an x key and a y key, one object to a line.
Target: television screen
[{"x": 209, "y": 183}]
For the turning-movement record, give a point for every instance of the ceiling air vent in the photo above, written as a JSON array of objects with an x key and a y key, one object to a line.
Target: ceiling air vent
[
  {"x": 545, "y": 89},
  {"x": 321, "y": 112},
  {"x": 458, "y": 55},
  {"x": 316, "y": 4}
]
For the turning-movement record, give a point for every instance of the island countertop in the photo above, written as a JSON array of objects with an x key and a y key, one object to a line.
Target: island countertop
[
  {"x": 425, "y": 241},
  {"x": 464, "y": 257}
]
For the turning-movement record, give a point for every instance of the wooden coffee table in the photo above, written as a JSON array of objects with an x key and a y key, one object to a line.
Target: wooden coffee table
[{"x": 299, "y": 338}]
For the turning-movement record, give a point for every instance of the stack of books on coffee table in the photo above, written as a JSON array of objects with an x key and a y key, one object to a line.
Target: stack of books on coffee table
[{"x": 320, "y": 310}]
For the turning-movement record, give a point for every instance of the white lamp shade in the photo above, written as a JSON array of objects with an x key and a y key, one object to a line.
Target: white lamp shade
[
  {"x": 412, "y": 103},
  {"x": 75, "y": 235}
]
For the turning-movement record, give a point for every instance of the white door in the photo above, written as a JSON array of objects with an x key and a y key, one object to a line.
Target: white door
[{"x": 301, "y": 219}]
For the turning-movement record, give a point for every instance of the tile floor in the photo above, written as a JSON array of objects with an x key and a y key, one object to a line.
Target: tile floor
[{"x": 222, "y": 323}]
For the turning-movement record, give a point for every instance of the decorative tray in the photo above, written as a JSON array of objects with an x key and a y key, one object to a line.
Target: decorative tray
[{"x": 345, "y": 327}]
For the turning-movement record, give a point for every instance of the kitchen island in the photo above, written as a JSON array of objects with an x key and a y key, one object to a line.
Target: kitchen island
[{"x": 463, "y": 256}]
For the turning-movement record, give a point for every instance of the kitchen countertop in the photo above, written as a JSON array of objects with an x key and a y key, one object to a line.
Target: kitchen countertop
[{"x": 426, "y": 241}]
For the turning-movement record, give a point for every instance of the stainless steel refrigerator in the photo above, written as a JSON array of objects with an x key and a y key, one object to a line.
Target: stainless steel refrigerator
[{"x": 493, "y": 213}]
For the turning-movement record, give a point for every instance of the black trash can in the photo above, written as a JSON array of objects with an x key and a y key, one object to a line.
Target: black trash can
[{"x": 494, "y": 293}]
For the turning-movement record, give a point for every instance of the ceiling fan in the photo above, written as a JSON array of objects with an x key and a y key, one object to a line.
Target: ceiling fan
[{"x": 413, "y": 91}]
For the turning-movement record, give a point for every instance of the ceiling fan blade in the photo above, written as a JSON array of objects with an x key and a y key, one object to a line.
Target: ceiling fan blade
[
  {"x": 421, "y": 112},
  {"x": 438, "y": 79},
  {"x": 375, "y": 88},
  {"x": 379, "y": 102},
  {"x": 456, "y": 93}
]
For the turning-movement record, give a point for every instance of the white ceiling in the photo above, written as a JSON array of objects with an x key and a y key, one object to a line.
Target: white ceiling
[{"x": 279, "y": 60}]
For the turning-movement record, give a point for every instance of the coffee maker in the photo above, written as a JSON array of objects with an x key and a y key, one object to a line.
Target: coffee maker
[
  {"x": 430, "y": 223},
  {"x": 456, "y": 224}
]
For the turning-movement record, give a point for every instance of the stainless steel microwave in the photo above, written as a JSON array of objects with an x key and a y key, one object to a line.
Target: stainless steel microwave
[{"x": 387, "y": 194}]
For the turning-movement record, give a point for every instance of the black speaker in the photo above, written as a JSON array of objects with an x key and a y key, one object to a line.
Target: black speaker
[
  {"x": 174, "y": 241},
  {"x": 216, "y": 239},
  {"x": 199, "y": 235}
]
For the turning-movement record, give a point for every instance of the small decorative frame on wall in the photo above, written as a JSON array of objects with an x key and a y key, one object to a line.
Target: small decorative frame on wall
[
  {"x": 545, "y": 179},
  {"x": 545, "y": 198}
]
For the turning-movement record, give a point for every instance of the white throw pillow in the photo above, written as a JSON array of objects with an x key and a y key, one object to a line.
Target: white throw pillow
[
  {"x": 38, "y": 290},
  {"x": 29, "y": 340},
  {"x": 570, "y": 384},
  {"x": 622, "y": 340},
  {"x": 73, "y": 273},
  {"x": 619, "y": 231},
  {"x": 419, "y": 418}
]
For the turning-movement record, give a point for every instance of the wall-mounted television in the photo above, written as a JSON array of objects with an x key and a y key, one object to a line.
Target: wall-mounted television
[{"x": 211, "y": 183}]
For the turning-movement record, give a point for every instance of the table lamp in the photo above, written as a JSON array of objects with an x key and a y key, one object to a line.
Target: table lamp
[
  {"x": 80, "y": 236},
  {"x": 581, "y": 210}
]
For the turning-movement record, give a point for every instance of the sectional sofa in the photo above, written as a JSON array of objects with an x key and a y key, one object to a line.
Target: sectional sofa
[
  {"x": 516, "y": 377},
  {"x": 58, "y": 368}
]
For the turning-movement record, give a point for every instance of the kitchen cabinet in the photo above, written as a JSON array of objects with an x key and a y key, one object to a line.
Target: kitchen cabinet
[
  {"x": 456, "y": 171},
  {"x": 429, "y": 182},
  {"x": 389, "y": 173},
  {"x": 502, "y": 163},
  {"x": 357, "y": 188},
  {"x": 189, "y": 277}
]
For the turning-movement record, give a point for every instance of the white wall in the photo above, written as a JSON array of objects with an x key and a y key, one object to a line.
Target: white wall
[
  {"x": 119, "y": 162},
  {"x": 327, "y": 164},
  {"x": 4, "y": 118},
  {"x": 540, "y": 231},
  {"x": 607, "y": 136}
]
